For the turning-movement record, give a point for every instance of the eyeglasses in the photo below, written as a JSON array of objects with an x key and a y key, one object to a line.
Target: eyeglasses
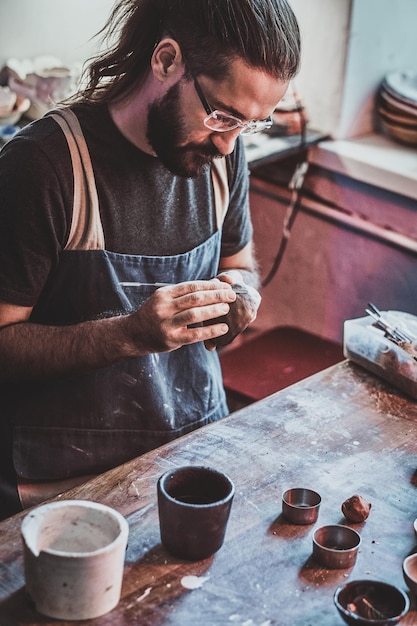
[{"x": 221, "y": 122}]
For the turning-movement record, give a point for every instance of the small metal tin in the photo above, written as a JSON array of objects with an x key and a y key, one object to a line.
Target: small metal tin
[
  {"x": 301, "y": 506},
  {"x": 336, "y": 546}
]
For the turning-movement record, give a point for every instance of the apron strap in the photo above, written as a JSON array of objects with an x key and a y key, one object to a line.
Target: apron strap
[
  {"x": 86, "y": 229},
  {"x": 221, "y": 190}
]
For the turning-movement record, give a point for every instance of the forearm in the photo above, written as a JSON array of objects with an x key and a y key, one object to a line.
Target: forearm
[
  {"x": 172, "y": 317},
  {"x": 250, "y": 276},
  {"x": 241, "y": 267},
  {"x": 34, "y": 351}
]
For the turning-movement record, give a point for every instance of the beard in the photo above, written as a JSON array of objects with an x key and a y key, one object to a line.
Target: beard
[{"x": 166, "y": 134}]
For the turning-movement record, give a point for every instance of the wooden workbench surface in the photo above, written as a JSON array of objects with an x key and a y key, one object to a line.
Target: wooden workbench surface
[{"x": 340, "y": 432}]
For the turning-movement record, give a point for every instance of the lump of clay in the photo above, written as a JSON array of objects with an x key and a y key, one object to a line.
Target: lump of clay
[{"x": 356, "y": 508}]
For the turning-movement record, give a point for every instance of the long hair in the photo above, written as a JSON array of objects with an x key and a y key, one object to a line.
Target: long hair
[{"x": 211, "y": 34}]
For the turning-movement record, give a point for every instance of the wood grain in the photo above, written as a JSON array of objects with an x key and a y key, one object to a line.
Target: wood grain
[{"x": 340, "y": 432}]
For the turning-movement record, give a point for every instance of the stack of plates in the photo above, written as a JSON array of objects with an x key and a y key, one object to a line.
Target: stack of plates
[{"x": 397, "y": 106}]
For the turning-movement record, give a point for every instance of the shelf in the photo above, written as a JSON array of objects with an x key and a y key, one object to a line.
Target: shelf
[
  {"x": 262, "y": 148},
  {"x": 373, "y": 159}
]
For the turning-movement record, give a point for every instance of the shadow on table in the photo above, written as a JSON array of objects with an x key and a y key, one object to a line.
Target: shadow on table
[
  {"x": 282, "y": 528},
  {"x": 19, "y": 609},
  {"x": 313, "y": 573}
]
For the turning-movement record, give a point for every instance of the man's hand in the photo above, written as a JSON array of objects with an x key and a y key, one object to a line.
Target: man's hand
[
  {"x": 177, "y": 315},
  {"x": 173, "y": 316},
  {"x": 242, "y": 312}
]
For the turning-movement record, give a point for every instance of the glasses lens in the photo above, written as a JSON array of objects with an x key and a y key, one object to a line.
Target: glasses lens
[
  {"x": 257, "y": 127},
  {"x": 221, "y": 122}
]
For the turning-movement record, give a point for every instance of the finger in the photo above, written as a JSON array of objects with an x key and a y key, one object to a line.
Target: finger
[
  {"x": 201, "y": 315},
  {"x": 205, "y": 334},
  {"x": 195, "y": 286},
  {"x": 210, "y": 345},
  {"x": 219, "y": 342},
  {"x": 189, "y": 296},
  {"x": 201, "y": 305}
]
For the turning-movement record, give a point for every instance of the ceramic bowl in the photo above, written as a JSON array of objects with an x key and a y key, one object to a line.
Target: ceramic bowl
[
  {"x": 362, "y": 602},
  {"x": 300, "y": 506},
  {"x": 404, "y": 134},
  {"x": 336, "y": 546},
  {"x": 74, "y": 553},
  {"x": 410, "y": 572}
]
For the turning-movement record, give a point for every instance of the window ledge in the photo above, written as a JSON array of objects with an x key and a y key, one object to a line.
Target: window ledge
[{"x": 373, "y": 159}]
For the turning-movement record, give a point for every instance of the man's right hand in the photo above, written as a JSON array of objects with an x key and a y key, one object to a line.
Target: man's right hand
[{"x": 174, "y": 315}]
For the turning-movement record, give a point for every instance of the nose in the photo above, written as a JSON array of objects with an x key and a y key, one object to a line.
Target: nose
[{"x": 225, "y": 142}]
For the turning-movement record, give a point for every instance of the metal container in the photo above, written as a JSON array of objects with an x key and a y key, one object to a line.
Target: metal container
[
  {"x": 336, "y": 546},
  {"x": 301, "y": 506}
]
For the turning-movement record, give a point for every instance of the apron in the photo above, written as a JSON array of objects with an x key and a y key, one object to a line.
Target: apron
[{"x": 86, "y": 424}]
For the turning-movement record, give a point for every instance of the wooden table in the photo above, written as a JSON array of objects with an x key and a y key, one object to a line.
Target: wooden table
[{"x": 340, "y": 432}]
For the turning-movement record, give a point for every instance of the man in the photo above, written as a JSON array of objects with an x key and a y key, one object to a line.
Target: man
[{"x": 122, "y": 270}]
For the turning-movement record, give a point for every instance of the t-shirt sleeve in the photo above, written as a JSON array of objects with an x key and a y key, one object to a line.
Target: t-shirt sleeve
[
  {"x": 33, "y": 219},
  {"x": 237, "y": 227}
]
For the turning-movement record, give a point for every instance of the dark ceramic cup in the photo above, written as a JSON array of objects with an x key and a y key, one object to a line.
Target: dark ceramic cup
[{"x": 194, "y": 505}]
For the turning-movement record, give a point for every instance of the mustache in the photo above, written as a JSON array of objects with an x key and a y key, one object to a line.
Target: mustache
[{"x": 202, "y": 150}]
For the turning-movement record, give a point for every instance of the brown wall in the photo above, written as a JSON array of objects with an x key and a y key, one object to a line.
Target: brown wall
[{"x": 330, "y": 271}]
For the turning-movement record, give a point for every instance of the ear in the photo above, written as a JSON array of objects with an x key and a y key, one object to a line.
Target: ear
[{"x": 167, "y": 61}]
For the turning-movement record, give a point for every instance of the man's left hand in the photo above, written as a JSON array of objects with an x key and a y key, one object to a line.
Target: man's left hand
[{"x": 242, "y": 312}]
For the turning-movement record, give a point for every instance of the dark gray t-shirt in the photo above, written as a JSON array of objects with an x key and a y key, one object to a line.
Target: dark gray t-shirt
[{"x": 144, "y": 208}]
